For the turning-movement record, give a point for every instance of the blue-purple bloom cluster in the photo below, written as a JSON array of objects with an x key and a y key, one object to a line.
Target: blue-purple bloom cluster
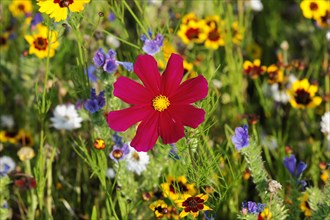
[
  {"x": 241, "y": 137},
  {"x": 108, "y": 61},
  {"x": 95, "y": 102},
  {"x": 152, "y": 46},
  {"x": 291, "y": 165},
  {"x": 36, "y": 20},
  {"x": 252, "y": 207}
]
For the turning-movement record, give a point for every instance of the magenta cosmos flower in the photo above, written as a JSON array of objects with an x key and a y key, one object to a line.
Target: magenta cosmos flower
[{"x": 163, "y": 104}]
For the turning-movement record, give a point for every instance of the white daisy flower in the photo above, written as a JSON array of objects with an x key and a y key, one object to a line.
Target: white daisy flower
[
  {"x": 137, "y": 161},
  {"x": 6, "y": 165},
  {"x": 279, "y": 95},
  {"x": 325, "y": 124},
  {"x": 66, "y": 117}
]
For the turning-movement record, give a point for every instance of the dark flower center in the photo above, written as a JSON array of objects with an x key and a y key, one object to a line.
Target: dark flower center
[
  {"x": 253, "y": 71},
  {"x": 11, "y": 134},
  {"x": 117, "y": 153},
  {"x": 161, "y": 210},
  {"x": 63, "y": 3},
  {"x": 21, "y": 7},
  {"x": 180, "y": 186},
  {"x": 313, "y": 6},
  {"x": 192, "y": 33},
  {"x": 3, "y": 41},
  {"x": 302, "y": 97},
  {"x": 214, "y": 35},
  {"x": 40, "y": 43},
  {"x": 193, "y": 204}
]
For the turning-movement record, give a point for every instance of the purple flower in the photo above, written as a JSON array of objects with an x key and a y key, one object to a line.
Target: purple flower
[
  {"x": 252, "y": 207},
  {"x": 152, "y": 46},
  {"x": 117, "y": 139},
  {"x": 111, "y": 16},
  {"x": 91, "y": 73},
  {"x": 119, "y": 153},
  {"x": 95, "y": 102},
  {"x": 99, "y": 58},
  {"x": 241, "y": 137},
  {"x": 36, "y": 20},
  {"x": 110, "y": 65},
  {"x": 127, "y": 65},
  {"x": 291, "y": 165}
]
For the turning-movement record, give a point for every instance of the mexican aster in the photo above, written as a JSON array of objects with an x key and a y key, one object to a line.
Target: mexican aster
[{"x": 163, "y": 104}]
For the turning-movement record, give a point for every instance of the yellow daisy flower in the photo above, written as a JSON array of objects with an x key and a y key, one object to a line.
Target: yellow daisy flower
[
  {"x": 58, "y": 9},
  {"x": 24, "y": 138},
  {"x": 314, "y": 8},
  {"x": 159, "y": 207},
  {"x": 253, "y": 70},
  {"x": 39, "y": 43},
  {"x": 302, "y": 95},
  {"x": 266, "y": 214},
  {"x": 195, "y": 32},
  {"x": 173, "y": 189},
  {"x": 9, "y": 136},
  {"x": 214, "y": 39},
  {"x": 192, "y": 204},
  {"x": 304, "y": 206},
  {"x": 237, "y": 33},
  {"x": 324, "y": 21},
  {"x": 212, "y": 21},
  {"x": 189, "y": 17},
  {"x": 275, "y": 75},
  {"x": 19, "y": 8}
]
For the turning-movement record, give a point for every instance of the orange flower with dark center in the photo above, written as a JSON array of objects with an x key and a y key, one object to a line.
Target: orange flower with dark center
[
  {"x": 253, "y": 70},
  {"x": 99, "y": 144}
]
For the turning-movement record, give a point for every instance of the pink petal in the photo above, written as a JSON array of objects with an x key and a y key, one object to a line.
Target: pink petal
[
  {"x": 191, "y": 91},
  {"x": 172, "y": 75},
  {"x": 121, "y": 120},
  {"x": 131, "y": 92},
  {"x": 147, "y": 133},
  {"x": 188, "y": 115},
  {"x": 146, "y": 69},
  {"x": 170, "y": 130}
]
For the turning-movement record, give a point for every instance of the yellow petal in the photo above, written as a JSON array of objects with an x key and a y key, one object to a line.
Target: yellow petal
[
  {"x": 257, "y": 62},
  {"x": 315, "y": 102},
  {"x": 183, "y": 214},
  {"x": 247, "y": 64},
  {"x": 194, "y": 214},
  {"x": 206, "y": 208},
  {"x": 312, "y": 90}
]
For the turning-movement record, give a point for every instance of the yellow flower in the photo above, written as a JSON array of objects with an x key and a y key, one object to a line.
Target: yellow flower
[
  {"x": 314, "y": 8},
  {"x": 253, "y": 70},
  {"x": 324, "y": 21},
  {"x": 39, "y": 43},
  {"x": 302, "y": 95},
  {"x": 325, "y": 176},
  {"x": 237, "y": 33},
  {"x": 173, "y": 189},
  {"x": 159, "y": 207},
  {"x": 192, "y": 204},
  {"x": 99, "y": 144},
  {"x": 25, "y": 153},
  {"x": 214, "y": 38},
  {"x": 266, "y": 214},
  {"x": 189, "y": 17},
  {"x": 24, "y": 138},
  {"x": 304, "y": 206},
  {"x": 275, "y": 75},
  {"x": 58, "y": 9},
  {"x": 212, "y": 21},
  {"x": 20, "y": 8},
  {"x": 9, "y": 136},
  {"x": 195, "y": 32},
  {"x": 172, "y": 213},
  {"x": 4, "y": 40}
]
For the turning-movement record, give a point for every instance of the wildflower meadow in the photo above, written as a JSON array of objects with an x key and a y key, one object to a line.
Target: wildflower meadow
[{"x": 165, "y": 109}]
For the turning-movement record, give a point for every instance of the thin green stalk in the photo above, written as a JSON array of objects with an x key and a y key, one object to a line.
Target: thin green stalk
[{"x": 136, "y": 19}]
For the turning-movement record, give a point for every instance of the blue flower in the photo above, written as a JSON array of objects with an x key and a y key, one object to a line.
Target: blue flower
[
  {"x": 111, "y": 16},
  {"x": 36, "y": 19},
  {"x": 95, "y": 102},
  {"x": 291, "y": 165},
  {"x": 152, "y": 46},
  {"x": 208, "y": 215},
  {"x": 127, "y": 65},
  {"x": 99, "y": 58},
  {"x": 241, "y": 137},
  {"x": 252, "y": 207},
  {"x": 110, "y": 65},
  {"x": 91, "y": 73},
  {"x": 117, "y": 139},
  {"x": 174, "y": 152}
]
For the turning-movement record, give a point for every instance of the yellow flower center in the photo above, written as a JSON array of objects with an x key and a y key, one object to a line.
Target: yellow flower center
[{"x": 160, "y": 103}]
